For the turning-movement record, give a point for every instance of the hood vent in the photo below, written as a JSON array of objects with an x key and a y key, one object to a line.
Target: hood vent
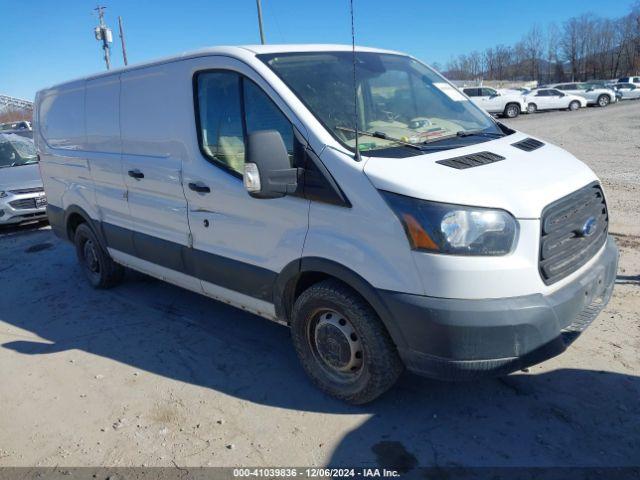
[
  {"x": 472, "y": 160},
  {"x": 528, "y": 144}
]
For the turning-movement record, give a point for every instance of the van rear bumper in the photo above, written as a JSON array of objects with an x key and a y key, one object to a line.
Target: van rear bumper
[{"x": 454, "y": 339}]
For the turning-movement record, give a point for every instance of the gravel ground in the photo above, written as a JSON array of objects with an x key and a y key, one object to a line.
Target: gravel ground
[{"x": 149, "y": 374}]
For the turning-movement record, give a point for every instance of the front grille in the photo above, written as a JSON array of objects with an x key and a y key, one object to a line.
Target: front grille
[
  {"x": 27, "y": 190},
  {"x": 473, "y": 160},
  {"x": 23, "y": 203},
  {"x": 564, "y": 243},
  {"x": 528, "y": 144}
]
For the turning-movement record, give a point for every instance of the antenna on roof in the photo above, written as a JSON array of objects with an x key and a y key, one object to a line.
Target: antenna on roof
[{"x": 355, "y": 85}]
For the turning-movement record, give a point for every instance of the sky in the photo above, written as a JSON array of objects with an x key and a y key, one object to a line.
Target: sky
[{"x": 45, "y": 42}]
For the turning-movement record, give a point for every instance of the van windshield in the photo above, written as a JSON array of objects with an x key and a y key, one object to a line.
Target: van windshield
[{"x": 397, "y": 97}]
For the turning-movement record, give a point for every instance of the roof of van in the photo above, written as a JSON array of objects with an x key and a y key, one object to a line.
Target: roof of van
[{"x": 233, "y": 51}]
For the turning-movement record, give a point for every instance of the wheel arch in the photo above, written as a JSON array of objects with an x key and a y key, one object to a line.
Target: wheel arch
[
  {"x": 300, "y": 274},
  {"x": 74, "y": 216}
]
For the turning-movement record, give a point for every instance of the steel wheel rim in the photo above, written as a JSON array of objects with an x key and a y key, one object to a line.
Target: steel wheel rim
[
  {"x": 91, "y": 257},
  {"x": 336, "y": 345}
]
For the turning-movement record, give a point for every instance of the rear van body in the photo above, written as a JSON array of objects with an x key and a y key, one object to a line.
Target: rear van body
[{"x": 417, "y": 232}]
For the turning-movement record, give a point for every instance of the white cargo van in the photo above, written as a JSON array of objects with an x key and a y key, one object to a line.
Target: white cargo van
[{"x": 435, "y": 239}]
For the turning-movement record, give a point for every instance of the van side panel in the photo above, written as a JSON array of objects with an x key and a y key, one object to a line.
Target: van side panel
[
  {"x": 103, "y": 148},
  {"x": 60, "y": 136},
  {"x": 152, "y": 145}
]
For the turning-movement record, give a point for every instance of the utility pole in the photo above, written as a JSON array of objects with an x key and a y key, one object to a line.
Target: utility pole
[
  {"x": 260, "y": 22},
  {"x": 124, "y": 48},
  {"x": 103, "y": 33}
]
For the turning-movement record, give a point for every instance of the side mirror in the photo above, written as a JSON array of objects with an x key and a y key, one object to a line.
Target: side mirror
[
  {"x": 590, "y": 89},
  {"x": 267, "y": 169},
  {"x": 497, "y": 94}
]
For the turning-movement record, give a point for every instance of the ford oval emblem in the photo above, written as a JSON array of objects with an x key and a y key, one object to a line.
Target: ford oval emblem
[{"x": 589, "y": 227}]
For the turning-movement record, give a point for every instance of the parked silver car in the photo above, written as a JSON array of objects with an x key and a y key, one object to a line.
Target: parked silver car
[
  {"x": 594, "y": 94},
  {"x": 628, "y": 91},
  {"x": 22, "y": 197}
]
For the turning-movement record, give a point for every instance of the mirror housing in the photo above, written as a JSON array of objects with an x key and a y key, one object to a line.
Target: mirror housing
[{"x": 267, "y": 169}]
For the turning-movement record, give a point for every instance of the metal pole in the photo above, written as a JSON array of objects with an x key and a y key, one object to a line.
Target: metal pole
[
  {"x": 124, "y": 48},
  {"x": 260, "y": 22},
  {"x": 105, "y": 42}
]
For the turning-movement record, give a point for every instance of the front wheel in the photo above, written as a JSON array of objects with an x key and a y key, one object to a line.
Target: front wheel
[
  {"x": 603, "y": 100},
  {"x": 512, "y": 110},
  {"x": 342, "y": 344},
  {"x": 532, "y": 108},
  {"x": 574, "y": 105}
]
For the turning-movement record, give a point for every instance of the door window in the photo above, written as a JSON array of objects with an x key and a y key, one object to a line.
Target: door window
[
  {"x": 223, "y": 123},
  {"x": 262, "y": 114},
  {"x": 488, "y": 92},
  {"x": 221, "y": 131}
]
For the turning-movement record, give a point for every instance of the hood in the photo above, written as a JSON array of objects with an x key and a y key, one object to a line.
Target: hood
[
  {"x": 523, "y": 183},
  {"x": 23, "y": 176}
]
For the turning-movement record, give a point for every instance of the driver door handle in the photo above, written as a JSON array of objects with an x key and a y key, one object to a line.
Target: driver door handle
[
  {"x": 199, "y": 187},
  {"x": 137, "y": 174}
]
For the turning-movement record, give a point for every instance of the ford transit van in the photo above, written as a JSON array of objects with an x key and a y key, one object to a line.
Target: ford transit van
[{"x": 385, "y": 218}]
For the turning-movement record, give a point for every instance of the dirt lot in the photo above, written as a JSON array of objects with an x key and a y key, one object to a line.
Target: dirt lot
[{"x": 149, "y": 374}]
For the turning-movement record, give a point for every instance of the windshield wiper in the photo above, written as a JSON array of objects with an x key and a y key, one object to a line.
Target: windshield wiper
[
  {"x": 380, "y": 135},
  {"x": 480, "y": 133}
]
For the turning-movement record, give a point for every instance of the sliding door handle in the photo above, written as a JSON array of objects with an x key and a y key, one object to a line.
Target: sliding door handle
[{"x": 199, "y": 187}]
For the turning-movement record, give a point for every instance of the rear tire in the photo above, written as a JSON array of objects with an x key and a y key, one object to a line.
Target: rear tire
[
  {"x": 603, "y": 100},
  {"x": 574, "y": 105},
  {"x": 512, "y": 110},
  {"x": 342, "y": 344},
  {"x": 101, "y": 270},
  {"x": 532, "y": 108}
]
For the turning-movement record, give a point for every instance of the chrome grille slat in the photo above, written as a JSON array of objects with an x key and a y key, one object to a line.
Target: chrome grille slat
[
  {"x": 23, "y": 203},
  {"x": 563, "y": 250},
  {"x": 27, "y": 190}
]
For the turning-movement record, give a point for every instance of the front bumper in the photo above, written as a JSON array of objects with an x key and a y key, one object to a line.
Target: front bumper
[
  {"x": 453, "y": 339},
  {"x": 11, "y": 215}
]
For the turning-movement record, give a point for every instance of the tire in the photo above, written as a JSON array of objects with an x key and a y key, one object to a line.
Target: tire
[
  {"x": 603, "y": 100},
  {"x": 101, "y": 270},
  {"x": 574, "y": 105},
  {"x": 512, "y": 110},
  {"x": 355, "y": 361},
  {"x": 532, "y": 108}
]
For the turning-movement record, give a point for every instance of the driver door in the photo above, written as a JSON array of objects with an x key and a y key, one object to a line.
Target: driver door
[{"x": 240, "y": 243}]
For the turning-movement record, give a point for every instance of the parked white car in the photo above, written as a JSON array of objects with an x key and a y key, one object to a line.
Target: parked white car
[
  {"x": 628, "y": 91},
  {"x": 593, "y": 94},
  {"x": 553, "y": 99},
  {"x": 490, "y": 100},
  {"x": 426, "y": 235}
]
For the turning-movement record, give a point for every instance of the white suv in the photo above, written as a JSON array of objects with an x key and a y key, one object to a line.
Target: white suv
[
  {"x": 633, "y": 80},
  {"x": 490, "y": 100},
  {"x": 423, "y": 235}
]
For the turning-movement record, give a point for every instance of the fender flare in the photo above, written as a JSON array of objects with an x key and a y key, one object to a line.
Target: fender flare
[
  {"x": 285, "y": 285},
  {"x": 59, "y": 220}
]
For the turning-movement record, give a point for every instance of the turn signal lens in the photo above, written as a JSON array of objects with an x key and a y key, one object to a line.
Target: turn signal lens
[{"x": 417, "y": 236}]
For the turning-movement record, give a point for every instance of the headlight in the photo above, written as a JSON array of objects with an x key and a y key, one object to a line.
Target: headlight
[
  {"x": 454, "y": 229},
  {"x": 3, "y": 194}
]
